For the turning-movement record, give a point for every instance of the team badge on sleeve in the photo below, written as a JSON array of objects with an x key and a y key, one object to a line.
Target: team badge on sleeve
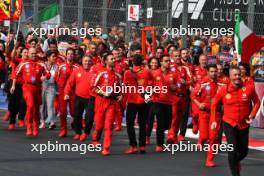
[
  {"x": 207, "y": 88},
  {"x": 33, "y": 78},
  {"x": 106, "y": 76}
]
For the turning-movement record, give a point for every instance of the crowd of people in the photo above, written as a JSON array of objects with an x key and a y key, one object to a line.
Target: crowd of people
[{"x": 204, "y": 81}]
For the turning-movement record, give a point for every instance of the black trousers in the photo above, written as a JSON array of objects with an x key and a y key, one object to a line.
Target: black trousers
[
  {"x": 132, "y": 111},
  {"x": 220, "y": 133},
  {"x": 150, "y": 120},
  {"x": 184, "y": 122},
  {"x": 81, "y": 104},
  {"x": 163, "y": 113},
  {"x": 16, "y": 105},
  {"x": 239, "y": 140}
]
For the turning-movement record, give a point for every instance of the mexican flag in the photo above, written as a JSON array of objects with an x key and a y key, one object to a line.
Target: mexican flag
[
  {"x": 246, "y": 41},
  {"x": 50, "y": 17}
]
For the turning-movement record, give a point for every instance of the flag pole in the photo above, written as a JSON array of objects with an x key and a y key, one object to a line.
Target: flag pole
[{"x": 18, "y": 27}]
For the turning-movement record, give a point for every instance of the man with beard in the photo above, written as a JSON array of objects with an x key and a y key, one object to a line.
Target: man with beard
[
  {"x": 62, "y": 75},
  {"x": 238, "y": 115},
  {"x": 105, "y": 102}
]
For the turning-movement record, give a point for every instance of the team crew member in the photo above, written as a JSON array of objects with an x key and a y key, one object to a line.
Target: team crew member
[
  {"x": 245, "y": 71},
  {"x": 179, "y": 97},
  {"x": 199, "y": 73},
  {"x": 78, "y": 82},
  {"x": 159, "y": 52},
  {"x": 63, "y": 73},
  {"x": 186, "y": 61},
  {"x": 92, "y": 50},
  {"x": 202, "y": 95},
  {"x": 120, "y": 67},
  {"x": 161, "y": 107},
  {"x": 105, "y": 102},
  {"x": 33, "y": 73},
  {"x": 136, "y": 107},
  {"x": 16, "y": 103},
  {"x": 221, "y": 76},
  {"x": 154, "y": 64},
  {"x": 94, "y": 70},
  {"x": 238, "y": 114}
]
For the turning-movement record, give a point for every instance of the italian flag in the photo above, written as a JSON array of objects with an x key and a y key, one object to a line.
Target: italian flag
[
  {"x": 50, "y": 17},
  {"x": 246, "y": 41}
]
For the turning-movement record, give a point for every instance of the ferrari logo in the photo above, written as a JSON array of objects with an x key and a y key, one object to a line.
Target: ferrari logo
[
  {"x": 140, "y": 82},
  {"x": 244, "y": 88},
  {"x": 5, "y": 7}
]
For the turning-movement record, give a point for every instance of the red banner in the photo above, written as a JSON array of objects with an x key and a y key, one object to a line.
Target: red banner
[
  {"x": 16, "y": 9},
  {"x": 10, "y": 9},
  {"x": 5, "y": 10}
]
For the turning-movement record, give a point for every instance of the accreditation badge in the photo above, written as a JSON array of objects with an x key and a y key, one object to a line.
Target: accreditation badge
[{"x": 33, "y": 78}]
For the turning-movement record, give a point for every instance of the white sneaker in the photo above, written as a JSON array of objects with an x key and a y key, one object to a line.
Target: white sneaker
[{"x": 42, "y": 125}]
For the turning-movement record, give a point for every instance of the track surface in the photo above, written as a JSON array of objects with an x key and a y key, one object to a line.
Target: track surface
[{"x": 16, "y": 159}]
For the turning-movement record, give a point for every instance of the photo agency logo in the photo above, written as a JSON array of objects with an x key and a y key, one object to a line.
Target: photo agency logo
[
  {"x": 189, "y": 147},
  {"x": 82, "y": 149},
  {"x": 81, "y": 32},
  {"x": 117, "y": 89}
]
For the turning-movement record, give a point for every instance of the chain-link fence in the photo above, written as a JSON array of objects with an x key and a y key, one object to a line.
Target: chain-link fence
[{"x": 108, "y": 13}]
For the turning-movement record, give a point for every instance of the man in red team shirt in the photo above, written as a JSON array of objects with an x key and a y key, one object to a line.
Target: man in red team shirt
[
  {"x": 78, "y": 80},
  {"x": 105, "y": 103},
  {"x": 200, "y": 72},
  {"x": 202, "y": 95},
  {"x": 186, "y": 62},
  {"x": 33, "y": 73},
  {"x": 239, "y": 113},
  {"x": 92, "y": 50},
  {"x": 221, "y": 76},
  {"x": 16, "y": 103},
  {"x": 63, "y": 73},
  {"x": 136, "y": 107},
  {"x": 120, "y": 67},
  {"x": 179, "y": 97},
  {"x": 164, "y": 80},
  {"x": 245, "y": 72},
  {"x": 94, "y": 70}
]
